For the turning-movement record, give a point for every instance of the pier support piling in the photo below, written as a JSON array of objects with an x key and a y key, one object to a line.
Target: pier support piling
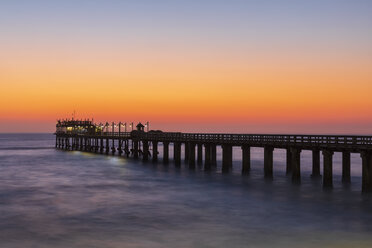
[
  {"x": 207, "y": 157},
  {"x": 135, "y": 149},
  {"x": 200, "y": 154},
  {"x": 191, "y": 158},
  {"x": 327, "y": 169},
  {"x": 177, "y": 153},
  {"x": 346, "y": 161},
  {"x": 213, "y": 155},
  {"x": 246, "y": 160},
  {"x": 316, "y": 164},
  {"x": 186, "y": 151},
  {"x": 296, "y": 165},
  {"x": 145, "y": 156},
  {"x": 226, "y": 158},
  {"x": 366, "y": 171},
  {"x": 288, "y": 170},
  {"x": 268, "y": 162},
  {"x": 154, "y": 151},
  {"x": 113, "y": 149},
  {"x": 101, "y": 146},
  {"x": 107, "y": 147},
  {"x": 165, "y": 152},
  {"x": 120, "y": 150}
]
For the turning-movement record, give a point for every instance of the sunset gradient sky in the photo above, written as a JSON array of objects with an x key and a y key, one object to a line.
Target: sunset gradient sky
[{"x": 215, "y": 66}]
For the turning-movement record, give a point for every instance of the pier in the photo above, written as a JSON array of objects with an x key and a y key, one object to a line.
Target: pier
[{"x": 115, "y": 139}]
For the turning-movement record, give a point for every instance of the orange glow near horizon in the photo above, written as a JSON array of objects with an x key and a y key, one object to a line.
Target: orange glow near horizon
[{"x": 277, "y": 86}]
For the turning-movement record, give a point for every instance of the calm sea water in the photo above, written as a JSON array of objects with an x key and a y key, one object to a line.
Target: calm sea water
[{"x": 53, "y": 198}]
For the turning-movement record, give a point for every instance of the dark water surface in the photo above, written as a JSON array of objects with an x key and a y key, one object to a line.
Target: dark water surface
[{"x": 52, "y": 198}]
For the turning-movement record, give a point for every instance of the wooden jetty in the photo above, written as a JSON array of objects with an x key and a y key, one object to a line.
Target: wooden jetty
[{"x": 84, "y": 135}]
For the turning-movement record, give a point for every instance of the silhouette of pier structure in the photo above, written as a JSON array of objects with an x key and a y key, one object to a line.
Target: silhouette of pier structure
[{"x": 84, "y": 135}]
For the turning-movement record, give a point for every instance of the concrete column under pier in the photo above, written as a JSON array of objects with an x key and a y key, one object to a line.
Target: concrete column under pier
[
  {"x": 296, "y": 165},
  {"x": 186, "y": 151},
  {"x": 191, "y": 155},
  {"x": 268, "y": 162},
  {"x": 101, "y": 146},
  {"x": 145, "y": 150},
  {"x": 213, "y": 155},
  {"x": 177, "y": 153},
  {"x": 86, "y": 144},
  {"x": 120, "y": 150},
  {"x": 165, "y": 152},
  {"x": 200, "y": 153},
  {"x": 346, "y": 161},
  {"x": 126, "y": 148},
  {"x": 289, "y": 162},
  {"x": 154, "y": 151},
  {"x": 246, "y": 160},
  {"x": 135, "y": 149},
  {"x": 207, "y": 159},
  {"x": 366, "y": 171},
  {"x": 107, "y": 147},
  {"x": 96, "y": 146},
  {"x": 327, "y": 169},
  {"x": 226, "y": 158},
  {"x": 113, "y": 149},
  {"x": 316, "y": 164}
]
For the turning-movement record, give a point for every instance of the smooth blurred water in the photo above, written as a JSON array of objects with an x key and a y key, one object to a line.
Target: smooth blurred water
[{"x": 53, "y": 198}]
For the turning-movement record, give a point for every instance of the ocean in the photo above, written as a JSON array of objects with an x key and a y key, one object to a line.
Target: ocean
[{"x": 54, "y": 198}]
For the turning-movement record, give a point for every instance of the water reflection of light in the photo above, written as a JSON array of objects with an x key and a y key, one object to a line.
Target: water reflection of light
[
  {"x": 86, "y": 154},
  {"x": 117, "y": 160}
]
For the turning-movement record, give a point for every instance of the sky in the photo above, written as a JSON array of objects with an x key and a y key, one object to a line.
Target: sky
[{"x": 253, "y": 66}]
